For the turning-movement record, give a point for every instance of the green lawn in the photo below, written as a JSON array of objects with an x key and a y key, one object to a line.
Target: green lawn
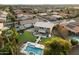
[{"x": 27, "y": 36}]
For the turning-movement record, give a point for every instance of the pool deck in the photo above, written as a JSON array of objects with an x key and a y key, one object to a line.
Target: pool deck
[
  {"x": 26, "y": 44},
  {"x": 74, "y": 37}
]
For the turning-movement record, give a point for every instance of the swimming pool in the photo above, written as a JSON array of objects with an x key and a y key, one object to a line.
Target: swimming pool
[
  {"x": 75, "y": 38},
  {"x": 32, "y": 50}
]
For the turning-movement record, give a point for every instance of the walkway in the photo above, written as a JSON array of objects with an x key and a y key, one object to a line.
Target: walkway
[{"x": 38, "y": 39}]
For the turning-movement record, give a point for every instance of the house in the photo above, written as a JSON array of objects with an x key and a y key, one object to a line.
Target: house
[
  {"x": 20, "y": 15},
  {"x": 49, "y": 10},
  {"x": 23, "y": 16},
  {"x": 72, "y": 26},
  {"x": 17, "y": 11},
  {"x": 10, "y": 24},
  {"x": 43, "y": 29},
  {"x": 55, "y": 13},
  {"x": 2, "y": 27},
  {"x": 42, "y": 14},
  {"x": 3, "y": 16},
  {"x": 25, "y": 24},
  {"x": 55, "y": 17}
]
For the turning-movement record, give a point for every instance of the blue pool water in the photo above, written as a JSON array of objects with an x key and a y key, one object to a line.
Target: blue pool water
[
  {"x": 75, "y": 38},
  {"x": 32, "y": 50}
]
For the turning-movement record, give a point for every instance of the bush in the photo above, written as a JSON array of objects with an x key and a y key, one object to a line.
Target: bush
[
  {"x": 74, "y": 42},
  {"x": 57, "y": 46}
]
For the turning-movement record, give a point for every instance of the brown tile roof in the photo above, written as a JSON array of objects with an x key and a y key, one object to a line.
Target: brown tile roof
[
  {"x": 72, "y": 26},
  {"x": 76, "y": 29}
]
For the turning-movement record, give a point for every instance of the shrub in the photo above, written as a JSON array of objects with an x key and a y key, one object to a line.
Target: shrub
[
  {"x": 57, "y": 46},
  {"x": 74, "y": 42}
]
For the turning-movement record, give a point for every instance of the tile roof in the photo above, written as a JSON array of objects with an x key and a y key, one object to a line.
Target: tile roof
[{"x": 73, "y": 26}]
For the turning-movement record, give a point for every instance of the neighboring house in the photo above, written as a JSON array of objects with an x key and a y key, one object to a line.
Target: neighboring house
[
  {"x": 42, "y": 14},
  {"x": 24, "y": 16},
  {"x": 21, "y": 15},
  {"x": 24, "y": 25},
  {"x": 72, "y": 26},
  {"x": 17, "y": 11},
  {"x": 55, "y": 17},
  {"x": 55, "y": 13},
  {"x": 49, "y": 10},
  {"x": 10, "y": 24},
  {"x": 3, "y": 16},
  {"x": 2, "y": 27},
  {"x": 73, "y": 29},
  {"x": 43, "y": 29}
]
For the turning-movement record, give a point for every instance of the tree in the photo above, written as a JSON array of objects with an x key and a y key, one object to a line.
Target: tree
[
  {"x": 57, "y": 46},
  {"x": 11, "y": 45},
  {"x": 8, "y": 37},
  {"x": 61, "y": 31},
  {"x": 13, "y": 42}
]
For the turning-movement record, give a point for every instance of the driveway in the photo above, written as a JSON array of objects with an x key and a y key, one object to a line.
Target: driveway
[{"x": 75, "y": 50}]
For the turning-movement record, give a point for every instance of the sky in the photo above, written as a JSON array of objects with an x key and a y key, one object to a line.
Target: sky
[{"x": 39, "y": 1}]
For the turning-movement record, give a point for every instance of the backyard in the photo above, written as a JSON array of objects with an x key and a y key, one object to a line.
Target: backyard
[{"x": 26, "y": 36}]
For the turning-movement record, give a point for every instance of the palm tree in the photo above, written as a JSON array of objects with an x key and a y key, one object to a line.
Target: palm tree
[
  {"x": 5, "y": 35},
  {"x": 10, "y": 38},
  {"x": 12, "y": 17}
]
